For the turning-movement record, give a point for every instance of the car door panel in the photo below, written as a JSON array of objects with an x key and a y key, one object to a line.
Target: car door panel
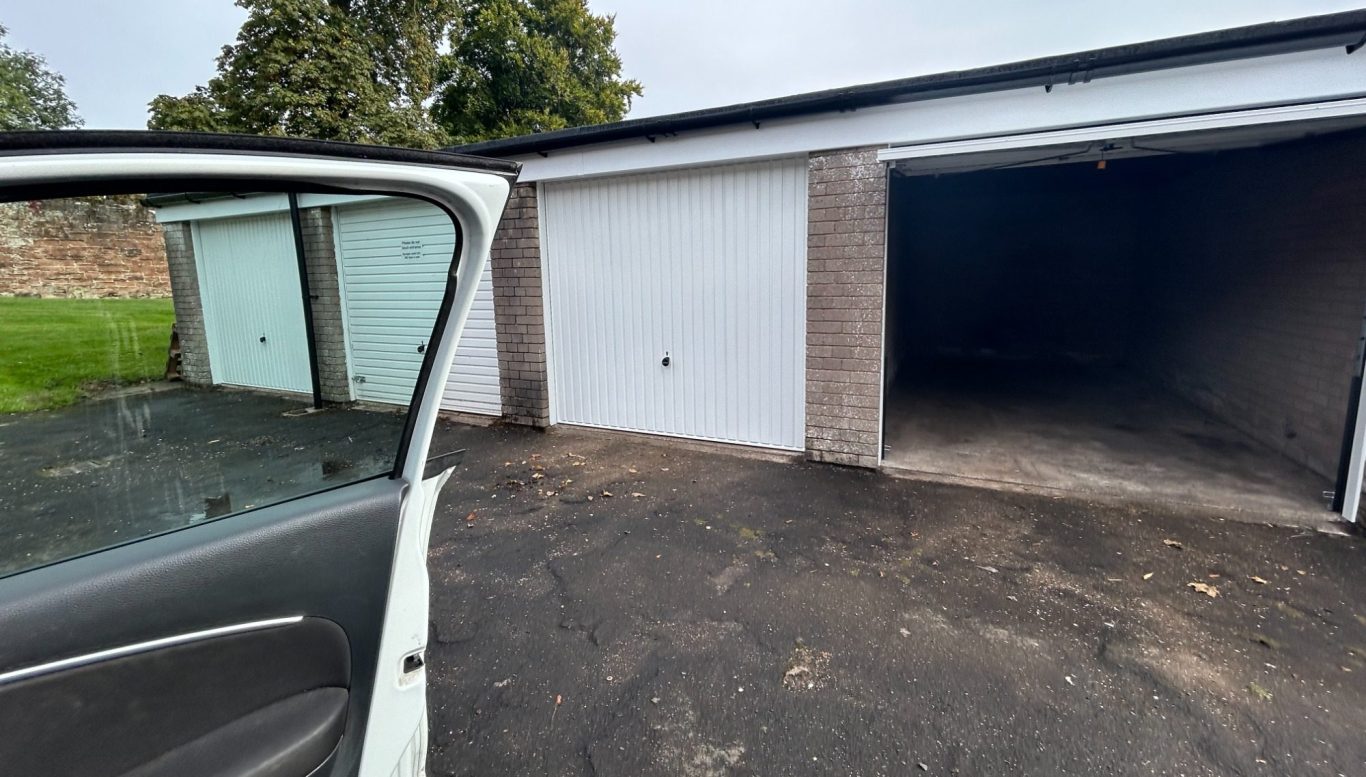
[
  {"x": 264, "y": 700},
  {"x": 283, "y": 640},
  {"x": 283, "y": 561}
]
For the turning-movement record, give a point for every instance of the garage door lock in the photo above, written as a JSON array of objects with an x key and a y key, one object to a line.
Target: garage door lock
[{"x": 665, "y": 361}]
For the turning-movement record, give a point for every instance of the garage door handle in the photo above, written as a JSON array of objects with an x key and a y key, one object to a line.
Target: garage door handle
[
  {"x": 263, "y": 338},
  {"x": 422, "y": 348},
  {"x": 665, "y": 360}
]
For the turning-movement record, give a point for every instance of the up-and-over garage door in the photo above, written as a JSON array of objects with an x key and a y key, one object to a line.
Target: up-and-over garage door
[
  {"x": 394, "y": 255},
  {"x": 677, "y": 302},
  {"x": 249, "y": 284}
]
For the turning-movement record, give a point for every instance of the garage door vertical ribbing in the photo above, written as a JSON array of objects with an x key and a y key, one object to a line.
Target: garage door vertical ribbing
[
  {"x": 705, "y": 267},
  {"x": 395, "y": 256},
  {"x": 253, "y": 316}
]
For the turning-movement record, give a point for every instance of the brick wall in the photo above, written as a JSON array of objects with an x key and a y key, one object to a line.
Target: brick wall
[
  {"x": 1265, "y": 282},
  {"x": 320, "y": 257},
  {"x": 189, "y": 310},
  {"x": 81, "y": 247},
  {"x": 519, "y": 315},
  {"x": 846, "y": 246}
]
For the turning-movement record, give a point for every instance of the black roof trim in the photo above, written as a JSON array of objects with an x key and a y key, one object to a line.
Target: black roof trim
[
  {"x": 75, "y": 141},
  {"x": 1303, "y": 34}
]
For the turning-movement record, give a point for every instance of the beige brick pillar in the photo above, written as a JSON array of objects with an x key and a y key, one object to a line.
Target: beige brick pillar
[
  {"x": 189, "y": 308},
  {"x": 519, "y": 314},
  {"x": 324, "y": 288},
  {"x": 846, "y": 258}
]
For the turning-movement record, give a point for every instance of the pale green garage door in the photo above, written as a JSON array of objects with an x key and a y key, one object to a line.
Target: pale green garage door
[
  {"x": 394, "y": 255},
  {"x": 253, "y": 309}
]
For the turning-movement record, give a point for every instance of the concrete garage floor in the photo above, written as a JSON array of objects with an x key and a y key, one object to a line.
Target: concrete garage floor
[
  {"x": 1093, "y": 431},
  {"x": 727, "y": 616},
  {"x": 106, "y": 471}
]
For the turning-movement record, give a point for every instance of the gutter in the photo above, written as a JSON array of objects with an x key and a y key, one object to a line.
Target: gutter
[{"x": 1346, "y": 29}]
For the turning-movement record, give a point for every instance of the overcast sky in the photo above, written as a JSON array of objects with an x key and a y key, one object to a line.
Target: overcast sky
[{"x": 689, "y": 54}]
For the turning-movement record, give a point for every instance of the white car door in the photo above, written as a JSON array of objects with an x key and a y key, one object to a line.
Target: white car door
[{"x": 205, "y": 578}]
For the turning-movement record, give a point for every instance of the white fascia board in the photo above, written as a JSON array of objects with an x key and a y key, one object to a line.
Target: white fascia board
[
  {"x": 1135, "y": 129},
  {"x": 253, "y": 205},
  {"x": 1285, "y": 79},
  {"x": 227, "y": 207}
]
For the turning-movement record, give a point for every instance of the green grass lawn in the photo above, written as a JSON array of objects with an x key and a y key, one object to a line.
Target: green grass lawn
[{"x": 53, "y": 352}]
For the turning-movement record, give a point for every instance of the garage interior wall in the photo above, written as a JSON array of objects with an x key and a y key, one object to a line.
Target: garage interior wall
[
  {"x": 1236, "y": 279},
  {"x": 1267, "y": 252}
]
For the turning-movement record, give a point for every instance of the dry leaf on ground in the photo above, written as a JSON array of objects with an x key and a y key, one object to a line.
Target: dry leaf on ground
[{"x": 1204, "y": 588}]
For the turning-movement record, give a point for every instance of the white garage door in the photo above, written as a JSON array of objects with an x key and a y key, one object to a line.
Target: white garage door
[
  {"x": 253, "y": 309},
  {"x": 394, "y": 255},
  {"x": 704, "y": 267}
]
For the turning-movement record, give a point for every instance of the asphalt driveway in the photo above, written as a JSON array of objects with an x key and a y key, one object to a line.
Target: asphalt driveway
[
  {"x": 157, "y": 458},
  {"x": 725, "y": 616}
]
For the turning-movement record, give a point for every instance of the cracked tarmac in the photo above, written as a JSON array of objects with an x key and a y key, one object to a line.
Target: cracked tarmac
[{"x": 938, "y": 629}]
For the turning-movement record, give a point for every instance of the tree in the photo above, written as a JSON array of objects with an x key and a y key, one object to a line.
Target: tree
[
  {"x": 522, "y": 66},
  {"x": 374, "y": 71},
  {"x": 353, "y": 70},
  {"x": 32, "y": 96}
]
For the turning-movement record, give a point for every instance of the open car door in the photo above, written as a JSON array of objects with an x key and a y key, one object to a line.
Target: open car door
[{"x": 226, "y": 574}]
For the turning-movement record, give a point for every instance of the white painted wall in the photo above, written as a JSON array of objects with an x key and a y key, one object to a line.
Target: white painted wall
[{"x": 707, "y": 266}]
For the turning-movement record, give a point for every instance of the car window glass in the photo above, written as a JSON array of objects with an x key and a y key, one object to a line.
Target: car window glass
[{"x": 159, "y": 367}]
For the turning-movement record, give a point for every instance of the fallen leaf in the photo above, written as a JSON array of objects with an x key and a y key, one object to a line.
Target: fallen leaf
[
  {"x": 1259, "y": 691},
  {"x": 1174, "y": 544},
  {"x": 992, "y": 570},
  {"x": 470, "y": 518},
  {"x": 633, "y": 471},
  {"x": 1148, "y": 576},
  {"x": 1204, "y": 588},
  {"x": 607, "y": 494},
  {"x": 1257, "y": 580},
  {"x": 536, "y": 476},
  {"x": 637, "y": 494},
  {"x": 1069, "y": 680},
  {"x": 1214, "y": 576}
]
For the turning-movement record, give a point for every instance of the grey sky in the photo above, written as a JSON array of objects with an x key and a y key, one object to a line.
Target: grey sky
[{"x": 118, "y": 56}]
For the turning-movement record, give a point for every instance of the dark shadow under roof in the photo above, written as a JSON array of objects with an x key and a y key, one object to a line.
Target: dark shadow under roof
[{"x": 1346, "y": 29}]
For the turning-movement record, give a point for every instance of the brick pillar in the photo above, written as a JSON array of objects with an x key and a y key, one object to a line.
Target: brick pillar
[
  {"x": 320, "y": 257},
  {"x": 519, "y": 315},
  {"x": 189, "y": 309},
  {"x": 846, "y": 258}
]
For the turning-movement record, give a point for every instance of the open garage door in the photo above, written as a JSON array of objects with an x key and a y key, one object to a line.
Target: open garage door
[
  {"x": 677, "y": 302},
  {"x": 391, "y": 254},
  {"x": 1173, "y": 317}
]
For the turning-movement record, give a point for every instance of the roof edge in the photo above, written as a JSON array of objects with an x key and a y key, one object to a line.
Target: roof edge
[
  {"x": 131, "y": 141},
  {"x": 1347, "y": 29}
]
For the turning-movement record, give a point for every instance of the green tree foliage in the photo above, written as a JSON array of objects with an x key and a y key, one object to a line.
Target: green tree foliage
[
  {"x": 329, "y": 69},
  {"x": 522, "y": 66},
  {"x": 32, "y": 96},
  {"x": 420, "y": 73}
]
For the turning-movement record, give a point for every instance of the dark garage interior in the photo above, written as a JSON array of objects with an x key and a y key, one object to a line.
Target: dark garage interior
[{"x": 1174, "y": 326}]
